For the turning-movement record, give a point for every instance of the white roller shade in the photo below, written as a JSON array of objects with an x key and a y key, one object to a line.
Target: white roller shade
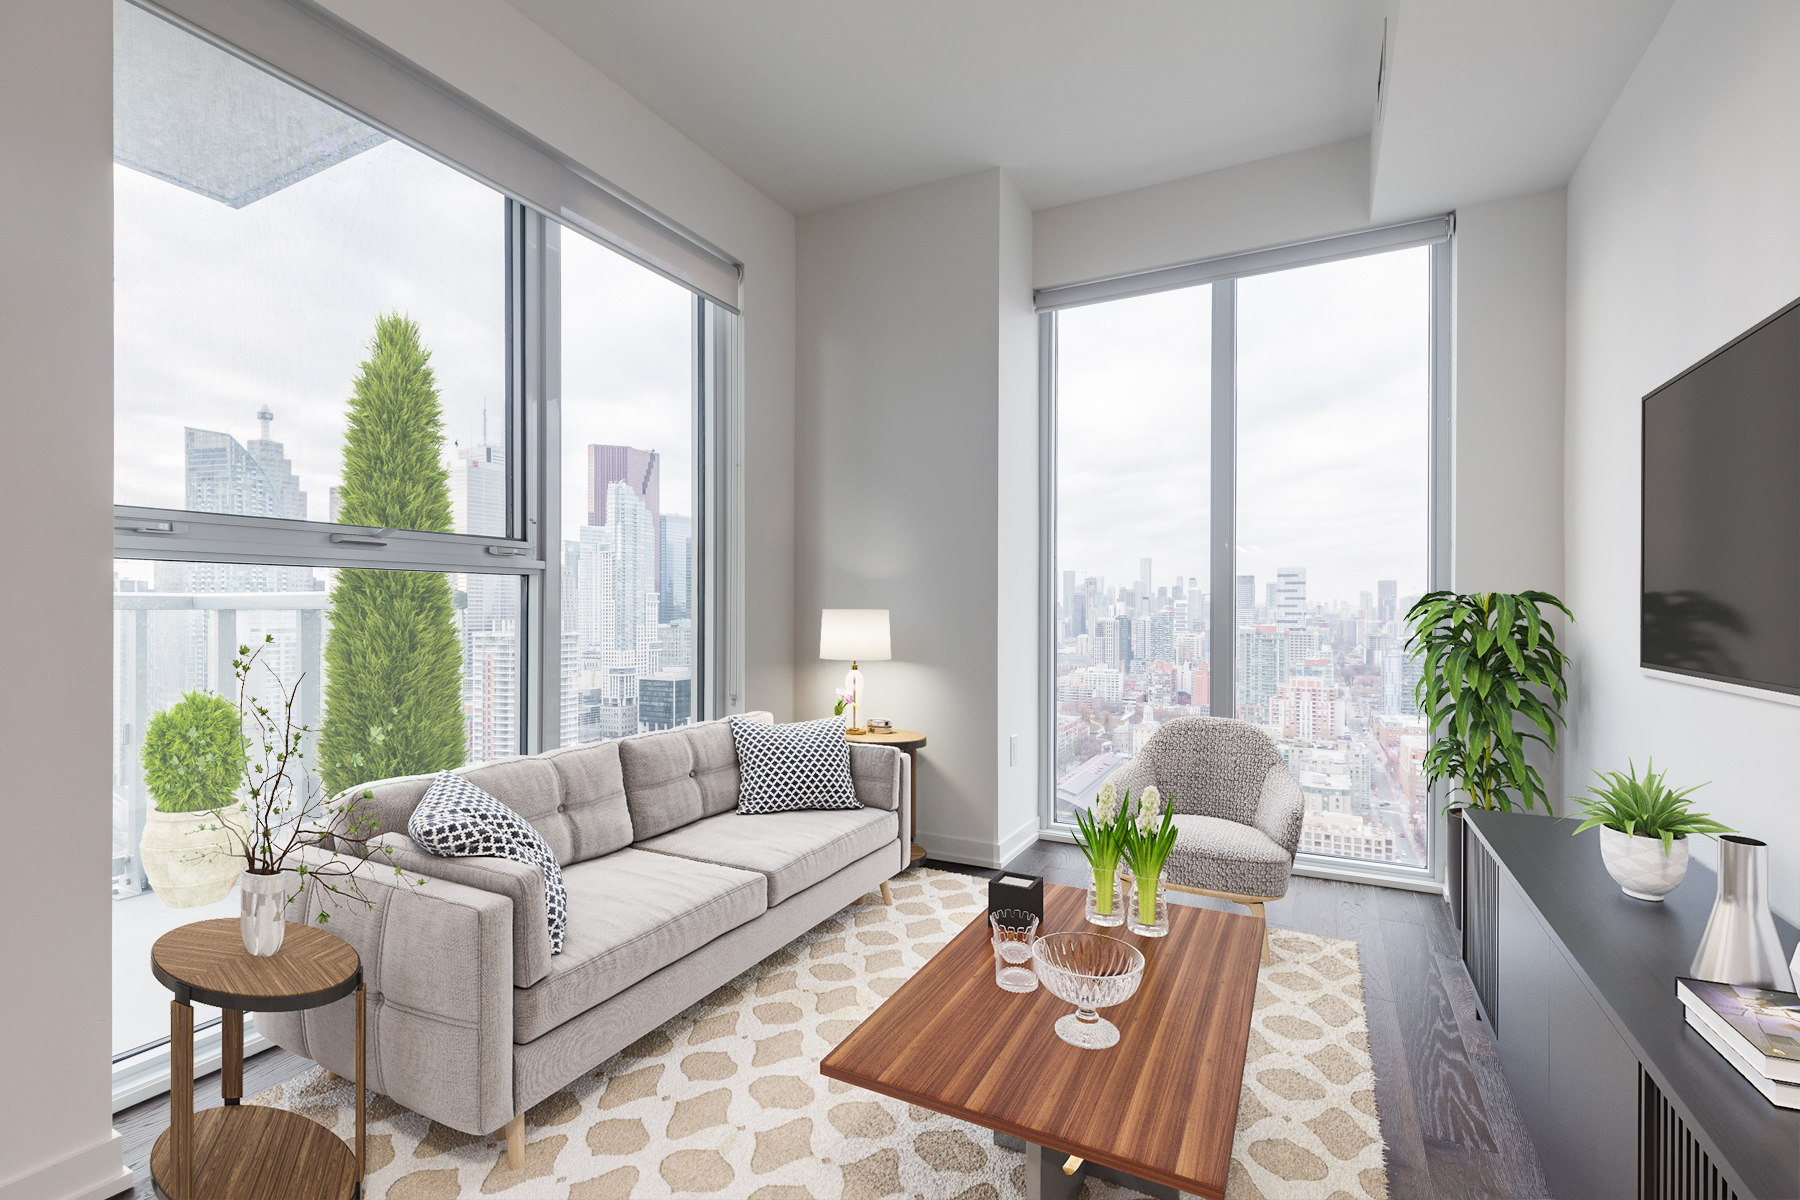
[
  {"x": 344, "y": 69},
  {"x": 1252, "y": 262}
]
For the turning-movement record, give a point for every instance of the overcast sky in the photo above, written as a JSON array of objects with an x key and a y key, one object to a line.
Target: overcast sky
[
  {"x": 221, "y": 311},
  {"x": 1332, "y": 429}
]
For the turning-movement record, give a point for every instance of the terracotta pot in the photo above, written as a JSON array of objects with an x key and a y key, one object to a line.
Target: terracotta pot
[{"x": 190, "y": 858}]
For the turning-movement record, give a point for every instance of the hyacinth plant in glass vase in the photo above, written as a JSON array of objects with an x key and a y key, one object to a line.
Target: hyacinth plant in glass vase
[
  {"x": 1102, "y": 833},
  {"x": 1149, "y": 836},
  {"x": 287, "y": 815}
]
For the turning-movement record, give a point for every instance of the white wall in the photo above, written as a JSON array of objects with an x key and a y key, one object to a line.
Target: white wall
[
  {"x": 56, "y": 1136},
  {"x": 489, "y": 51},
  {"x": 1507, "y": 439},
  {"x": 913, "y": 341},
  {"x": 1307, "y": 194},
  {"x": 1683, "y": 233}
]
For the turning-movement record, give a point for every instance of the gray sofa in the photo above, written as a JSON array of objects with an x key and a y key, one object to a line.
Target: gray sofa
[{"x": 671, "y": 893}]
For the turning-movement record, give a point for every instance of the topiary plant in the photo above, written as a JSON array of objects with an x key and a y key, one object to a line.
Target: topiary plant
[{"x": 194, "y": 753}]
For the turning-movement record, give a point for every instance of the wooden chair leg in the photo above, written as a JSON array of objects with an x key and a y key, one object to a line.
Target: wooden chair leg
[
  {"x": 1268, "y": 955},
  {"x": 514, "y": 1133},
  {"x": 887, "y": 893}
]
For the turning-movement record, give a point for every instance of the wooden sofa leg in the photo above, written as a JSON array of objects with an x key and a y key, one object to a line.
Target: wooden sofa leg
[
  {"x": 887, "y": 893},
  {"x": 514, "y": 1133},
  {"x": 1257, "y": 910}
]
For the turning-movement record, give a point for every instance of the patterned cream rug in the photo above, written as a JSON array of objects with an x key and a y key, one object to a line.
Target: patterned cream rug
[{"x": 726, "y": 1100}]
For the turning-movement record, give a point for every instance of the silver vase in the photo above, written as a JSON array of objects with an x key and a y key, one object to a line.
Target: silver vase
[
  {"x": 1740, "y": 944},
  {"x": 263, "y": 917}
]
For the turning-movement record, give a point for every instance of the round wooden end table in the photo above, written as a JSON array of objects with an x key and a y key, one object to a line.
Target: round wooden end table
[
  {"x": 250, "y": 1152},
  {"x": 911, "y": 741}
]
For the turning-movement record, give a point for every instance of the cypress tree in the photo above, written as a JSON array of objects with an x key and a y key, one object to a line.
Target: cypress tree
[{"x": 393, "y": 683}]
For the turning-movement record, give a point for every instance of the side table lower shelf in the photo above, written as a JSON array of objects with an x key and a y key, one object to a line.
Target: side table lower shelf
[{"x": 248, "y": 1152}]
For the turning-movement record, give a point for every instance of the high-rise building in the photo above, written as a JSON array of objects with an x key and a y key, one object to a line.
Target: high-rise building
[
  {"x": 1078, "y": 616},
  {"x": 287, "y": 498},
  {"x": 665, "y": 699},
  {"x": 1261, "y": 670},
  {"x": 1162, "y": 638},
  {"x": 220, "y": 476},
  {"x": 1400, "y": 675},
  {"x": 675, "y": 554},
  {"x": 1289, "y": 601},
  {"x": 1387, "y": 594},
  {"x": 640, "y": 471},
  {"x": 478, "y": 490},
  {"x": 1145, "y": 591},
  {"x": 1068, "y": 598},
  {"x": 491, "y": 691},
  {"x": 1245, "y": 599}
]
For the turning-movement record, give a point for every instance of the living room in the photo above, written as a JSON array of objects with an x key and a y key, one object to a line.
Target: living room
[{"x": 588, "y": 388}]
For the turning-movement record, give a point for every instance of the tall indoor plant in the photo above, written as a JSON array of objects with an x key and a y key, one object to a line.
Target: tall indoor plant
[
  {"x": 193, "y": 760},
  {"x": 1491, "y": 682}
]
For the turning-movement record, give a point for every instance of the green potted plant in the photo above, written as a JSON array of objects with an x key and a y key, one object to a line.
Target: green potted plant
[
  {"x": 1492, "y": 681},
  {"x": 193, "y": 759},
  {"x": 1149, "y": 837},
  {"x": 1644, "y": 825},
  {"x": 1102, "y": 832}
]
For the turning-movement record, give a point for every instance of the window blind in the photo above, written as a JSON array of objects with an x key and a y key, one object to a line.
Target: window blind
[
  {"x": 1252, "y": 262},
  {"x": 338, "y": 65}
]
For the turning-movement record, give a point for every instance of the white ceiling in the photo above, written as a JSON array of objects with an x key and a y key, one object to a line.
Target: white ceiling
[{"x": 821, "y": 102}]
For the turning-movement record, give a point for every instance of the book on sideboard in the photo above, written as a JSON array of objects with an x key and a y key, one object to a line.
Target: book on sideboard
[{"x": 1756, "y": 1030}]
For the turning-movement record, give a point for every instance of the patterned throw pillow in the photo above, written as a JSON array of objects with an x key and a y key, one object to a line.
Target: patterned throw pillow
[
  {"x": 783, "y": 768},
  {"x": 456, "y": 819}
]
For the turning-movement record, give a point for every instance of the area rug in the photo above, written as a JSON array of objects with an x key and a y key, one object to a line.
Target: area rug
[{"x": 726, "y": 1099}]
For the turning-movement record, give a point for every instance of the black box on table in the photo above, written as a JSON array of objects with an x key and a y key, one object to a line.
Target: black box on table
[{"x": 1012, "y": 890}]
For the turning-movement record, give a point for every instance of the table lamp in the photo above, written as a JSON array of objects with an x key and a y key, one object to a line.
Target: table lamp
[{"x": 854, "y": 634}]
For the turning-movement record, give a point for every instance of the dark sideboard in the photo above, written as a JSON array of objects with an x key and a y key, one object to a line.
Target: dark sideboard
[{"x": 1577, "y": 980}]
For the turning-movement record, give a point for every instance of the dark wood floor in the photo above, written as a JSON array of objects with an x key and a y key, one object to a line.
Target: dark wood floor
[{"x": 1452, "y": 1130}]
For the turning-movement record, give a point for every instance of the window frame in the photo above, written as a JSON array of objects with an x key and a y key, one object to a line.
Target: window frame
[
  {"x": 1222, "y": 275},
  {"x": 531, "y": 549}
]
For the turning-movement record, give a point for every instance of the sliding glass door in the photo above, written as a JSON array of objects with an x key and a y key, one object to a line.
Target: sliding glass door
[{"x": 1242, "y": 507}]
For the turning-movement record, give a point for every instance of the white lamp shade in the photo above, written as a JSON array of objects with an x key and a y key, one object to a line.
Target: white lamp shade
[{"x": 859, "y": 634}]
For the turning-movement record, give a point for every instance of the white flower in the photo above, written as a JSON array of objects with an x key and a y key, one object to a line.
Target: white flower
[
  {"x": 1149, "y": 812},
  {"x": 1106, "y": 804}
]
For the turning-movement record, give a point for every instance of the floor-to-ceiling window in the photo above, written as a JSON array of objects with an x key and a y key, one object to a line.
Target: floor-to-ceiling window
[
  {"x": 1132, "y": 575},
  {"x": 1242, "y": 506},
  {"x": 436, "y": 455}
]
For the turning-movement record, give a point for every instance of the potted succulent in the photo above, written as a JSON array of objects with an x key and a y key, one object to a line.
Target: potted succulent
[
  {"x": 1644, "y": 825},
  {"x": 193, "y": 760}
]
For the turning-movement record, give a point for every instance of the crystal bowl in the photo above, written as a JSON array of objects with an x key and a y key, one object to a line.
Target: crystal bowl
[{"x": 1090, "y": 971}]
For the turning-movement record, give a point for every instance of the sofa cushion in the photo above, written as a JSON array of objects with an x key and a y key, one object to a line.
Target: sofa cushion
[
  {"x": 675, "y": 777},
  {"x": 785, "y": 768},
  {"x": 593, "y": 798},
  {"x": 456, "y": 819},
  {"x": 632, "y": 913},
  {"x": 794, "y": 850}
]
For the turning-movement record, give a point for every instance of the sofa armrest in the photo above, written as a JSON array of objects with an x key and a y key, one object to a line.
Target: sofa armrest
[
  {"x": 437, "y": 966},
  {"x": 875, "y": 771},
  {"x": 518, "y": 882},
  {"x": 1281, "y": 808}
]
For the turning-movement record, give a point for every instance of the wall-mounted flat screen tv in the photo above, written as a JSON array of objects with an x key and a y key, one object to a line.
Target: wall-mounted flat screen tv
[{"x": 1721, "y": 556}]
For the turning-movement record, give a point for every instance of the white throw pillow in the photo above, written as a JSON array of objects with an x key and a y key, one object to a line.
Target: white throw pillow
[{"x": 785, "y": 768}]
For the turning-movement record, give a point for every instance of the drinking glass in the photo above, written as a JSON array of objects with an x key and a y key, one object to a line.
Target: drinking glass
[{"x": 1015, "y": 932}]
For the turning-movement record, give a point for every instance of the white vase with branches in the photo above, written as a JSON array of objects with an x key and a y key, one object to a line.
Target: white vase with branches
[{"x": 287, "y": 815}]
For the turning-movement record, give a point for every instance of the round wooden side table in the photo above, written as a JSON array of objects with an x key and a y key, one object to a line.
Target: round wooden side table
[
  {"x": 911, "y": 741},
  {"x": 250, "y": 1152}
]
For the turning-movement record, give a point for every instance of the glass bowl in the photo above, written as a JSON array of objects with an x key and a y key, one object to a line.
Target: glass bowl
[{"x": 1090, "y": 971}]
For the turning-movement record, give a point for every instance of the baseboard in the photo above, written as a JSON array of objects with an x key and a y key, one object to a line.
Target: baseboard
[
  {"x": 96, "y": 1172},
  {"x": 973, "y": 851},
  {"x": 1018, "y": 841}
]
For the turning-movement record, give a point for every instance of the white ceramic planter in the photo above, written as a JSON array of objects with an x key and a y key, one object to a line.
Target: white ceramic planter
[
  {"x": 1639, "y": 865},
  {"x": 263, "y": 915},
  {"x": 187, "y": 863}
]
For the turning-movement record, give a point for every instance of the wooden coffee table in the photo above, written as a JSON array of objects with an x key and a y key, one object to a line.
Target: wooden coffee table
[{"x": 1156, "y": 1112}]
